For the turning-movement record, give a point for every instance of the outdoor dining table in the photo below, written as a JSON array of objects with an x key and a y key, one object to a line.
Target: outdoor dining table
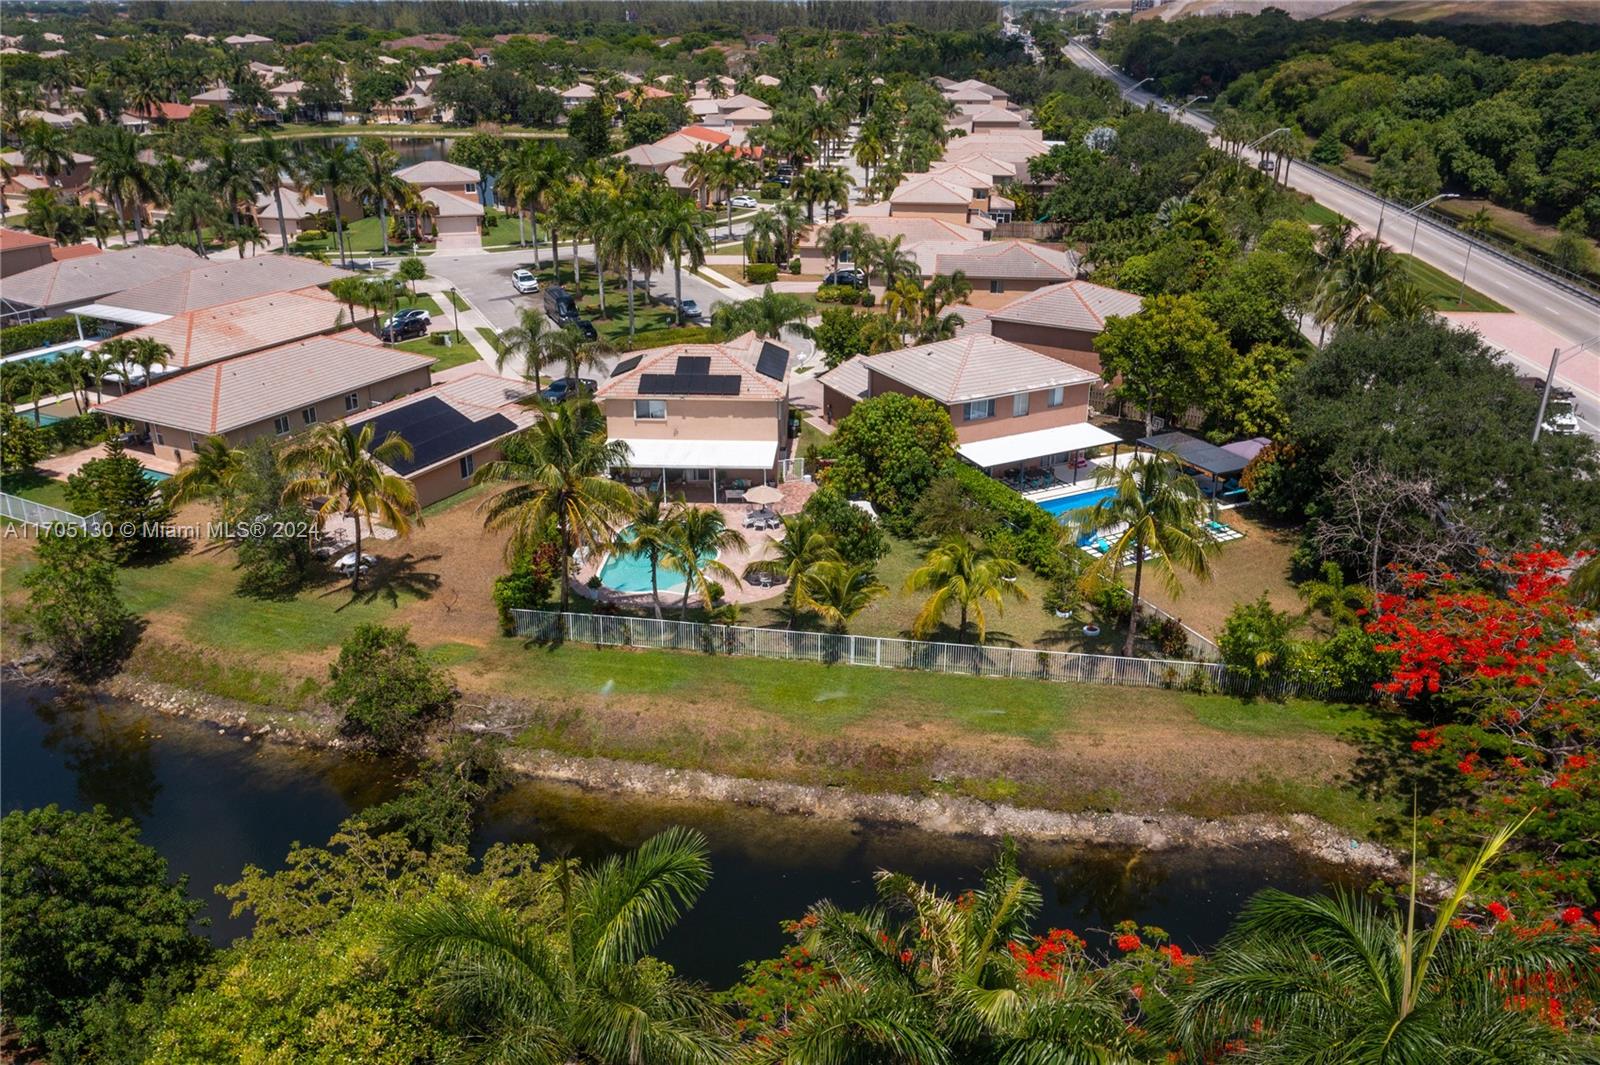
[{"x": 734, "y": 495}]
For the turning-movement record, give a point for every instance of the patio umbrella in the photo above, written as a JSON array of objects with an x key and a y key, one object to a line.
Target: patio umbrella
[{"x": 763, "y": 494}]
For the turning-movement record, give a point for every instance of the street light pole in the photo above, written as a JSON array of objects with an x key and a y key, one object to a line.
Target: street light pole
[
  {"x": 1550, "y": 379},
  {"x": 455, "y": 306},
  {"x": 1418, "y": 225},
  {"x": 1191, "y": 100},
  {"x": 1384, "y": 203}
]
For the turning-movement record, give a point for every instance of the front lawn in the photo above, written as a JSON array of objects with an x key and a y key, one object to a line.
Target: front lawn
[
  {"x": 505, "y": 231},
  {"x": 457, "y": 352}
]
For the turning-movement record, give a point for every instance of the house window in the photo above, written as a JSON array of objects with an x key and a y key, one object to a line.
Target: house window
[
  {"x": 1058, "y": 395},
  {"x": 280, "y": 425},
  {"x": 1019, "y": 404},
  {"x": 997, "y": 285},
  {"x": 352, "y": 401},
  {"x": 159, "y": 438},
  {"x": 309, "y": 414},
  {"x": 194, "y": 443},
  {"x": 983, "y": 408},
  {"x": 471, "y": 187},
  {"x": 467, "y": 466},
  {"x": 653, "y": 409}
]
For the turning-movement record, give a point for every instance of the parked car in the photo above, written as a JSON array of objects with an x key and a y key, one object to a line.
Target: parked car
[
  {"x": 564, "y": 387},
  {"x": 560, "y": 305},
  {"x": 398, "y": 329},
  {"x": 417, "y": 314},
  {"x": 745, "y": 201},
  {"x": 584, "y": 327},
  {"x": 524, "y": 281},
  {"x": 346, "y": 566},
  {"x": 690, "y": 309},
  {"x": 846, "y": 277}
]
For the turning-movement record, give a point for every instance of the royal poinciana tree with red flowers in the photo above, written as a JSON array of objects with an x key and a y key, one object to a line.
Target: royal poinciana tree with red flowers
[{"x": 1500, "y": 669}]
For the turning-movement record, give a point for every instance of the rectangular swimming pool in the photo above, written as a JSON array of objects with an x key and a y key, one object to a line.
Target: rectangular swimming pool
[{"x": 1064, "y": 505}]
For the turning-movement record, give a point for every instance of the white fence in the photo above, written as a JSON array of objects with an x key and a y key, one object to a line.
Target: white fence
[
  {"x": 30, "y": 513},
  {"x": 884, "y": 652}
]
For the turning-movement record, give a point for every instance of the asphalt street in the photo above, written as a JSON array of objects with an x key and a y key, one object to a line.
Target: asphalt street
[{"x": 1570, "y": 315}]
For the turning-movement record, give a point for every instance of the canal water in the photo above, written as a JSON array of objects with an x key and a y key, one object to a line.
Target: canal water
[{"x": 212, "y": 804}]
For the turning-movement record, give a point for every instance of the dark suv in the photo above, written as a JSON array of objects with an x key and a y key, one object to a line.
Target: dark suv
[
  {"x": 563, "y": 388},
  {"x": 560, "y": 305},
  {"x": 405, "y": 326},
  {"x": 846, "y": 276}
]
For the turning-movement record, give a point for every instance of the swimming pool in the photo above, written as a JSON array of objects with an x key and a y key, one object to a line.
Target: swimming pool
[
  {"x": 631, "y": 573},
  {"x": 155, "y": 476},
  {"x": 1061, "y": 506}
]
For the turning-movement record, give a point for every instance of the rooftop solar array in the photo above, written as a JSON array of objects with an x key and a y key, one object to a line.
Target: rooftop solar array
[
  {"x": 773, "y": 362},
  {"x": 685, "y": 384},
  {"x": 625, "y": 365},
  {"x": 689, "y": 365},
  {"x": 436, "y": 431}
]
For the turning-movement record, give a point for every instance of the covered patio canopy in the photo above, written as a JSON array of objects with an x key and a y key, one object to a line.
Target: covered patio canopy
[
  {"x": 1060, "y": 439},
  {"x": 1192, "y": 451},
  {"x": 106, "y": 312},
  {"x": 678, "y": 454}
]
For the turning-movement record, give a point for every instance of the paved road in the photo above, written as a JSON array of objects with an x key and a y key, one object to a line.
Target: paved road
[{"x": 1572, "y": 316}]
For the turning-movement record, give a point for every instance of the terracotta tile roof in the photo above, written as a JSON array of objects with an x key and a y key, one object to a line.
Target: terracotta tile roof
[
  {"x": 1080, "y": 305},
  {"x": 975, "y": 367},
  {"x": 437, "y": 172},
  {"x": 1006, "y": 259},
  {"x": 451, "y": 205},
  {"x": 737, "y": 357},
  {"x": 74, "y": 251},
  {"x": 242, "y": 326},
  {"x": 235, "y": 393},
  {"x": 84, "y": 280},
  {"x": 224, "y": 281},
  {"x": 16, "y": 240},
  {"x": 929, "y": 189}
]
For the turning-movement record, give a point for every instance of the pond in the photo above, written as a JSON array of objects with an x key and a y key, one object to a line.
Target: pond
[
  {"x": 410, "y": 149},
  {"x": 212, "y": 803}
]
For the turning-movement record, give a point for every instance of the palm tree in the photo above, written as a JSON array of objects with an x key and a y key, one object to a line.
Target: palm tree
[
  {"x": 1344, "y": 979},
  {"x": 870, "y": 150},
  {"x": 893, "y": 262},
  {"x": 561, "y": 473},
  {"x": 630, "y": 241},
  {"x": 120, "y": 177},
  {"x": 330, "y": 170},
  {"x": 526, "y": 179},
  {"x": 832, "y": 187},
  {"x": 373, "y": 178},
  {"x": 1157, "y": 509},
  {"x": 698, "y": 535},
  {"x": 343, "y": 465},
  {"x": 1332, "y": 595},
  {"x": 1358, "y": 285},
  {"x": 838, "y": 591},
  {"x": 768, "y": 315},
  {"x": 806, "y": 543},
  {"x": 578, "y": 985},
  {"x": 72, "y": 370},
  {"x": 681, "y": 230},
  {"x": 700, "y": 169},
  {"x": 207, "y": 475},
  {"x": 45, "y": 149},
  {"x": 535, "y": 341},
  {"x": 31, "y": 380},
  {"x": 836, "y": 240},
  {"x": 970, "y": 577},
  {"x": 191, "y": 207},
  {"x": 807, "y": 189},
  {"x": 148, "y": 353},
  {"x": 764, "y": 236},
  {"x": 232, "y": 174},
  {"x": 650, "y": 535}
]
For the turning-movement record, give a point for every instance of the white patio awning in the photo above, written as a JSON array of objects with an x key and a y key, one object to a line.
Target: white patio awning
[
  {"x": 124, "y": 315},
  {"x": 677, "y": 454},
  {"x": 1000, "y": 450}
]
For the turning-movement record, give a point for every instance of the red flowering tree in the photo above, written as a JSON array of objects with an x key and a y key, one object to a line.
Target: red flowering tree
[{"x": 1505, "y": 669}]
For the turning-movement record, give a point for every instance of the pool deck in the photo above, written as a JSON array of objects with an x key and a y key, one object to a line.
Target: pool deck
[{"x": 65, "y": 465}]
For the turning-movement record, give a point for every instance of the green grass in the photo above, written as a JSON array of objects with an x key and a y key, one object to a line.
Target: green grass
[
  {"x": 1263, "y": 718},
  {"x": 504, "y": 231},
  {"x": 422, "y": 299},
  {"x": 457, "y": 300},
  {"x": 1441, "y": 288},
  {"x": 459, "y": 353},
  {"x": 362, "y": 237},
  {"x": 1317, "y": 215},
  {"x": 35, "y": 486},
  {"x": 490, "y": 335}
]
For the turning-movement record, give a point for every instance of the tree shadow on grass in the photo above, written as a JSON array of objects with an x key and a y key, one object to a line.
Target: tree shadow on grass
[
  {"x": 1387, "y": 771},
  {"x": 393, "y": 578}
]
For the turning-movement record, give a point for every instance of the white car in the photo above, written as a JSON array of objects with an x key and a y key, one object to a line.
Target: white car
[
  {"x": 744, "y": 201},
  {"x": 524, "y": 281},
  {"x": 347, "y": 564}
]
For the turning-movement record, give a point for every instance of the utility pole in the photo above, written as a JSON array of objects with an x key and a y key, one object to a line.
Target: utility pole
[{"x": 1544, "y": 396}]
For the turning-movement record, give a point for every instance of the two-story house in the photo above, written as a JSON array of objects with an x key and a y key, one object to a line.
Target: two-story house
[
  {"x": 1010, "y": 406},
  {"x": 701, "y": 415},
  {"x": 454, "y": 191},
  {"x": 1062, "y": 320}
]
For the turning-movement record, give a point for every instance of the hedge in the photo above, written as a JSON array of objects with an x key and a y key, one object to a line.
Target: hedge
[
  {"x": 37, "y": 335},
  {"x": 1027, "y": 530},
  {"x": 761, "y": 273},
  {"x": 657, "y": 338}
]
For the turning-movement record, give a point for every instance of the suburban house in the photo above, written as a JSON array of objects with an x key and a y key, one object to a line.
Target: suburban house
[
  {"x": 26, "y": 178},
  {"x": 243, "y": 40},
  {"x": 1010, "y": 406},
  {"x": 652, "y": 157},
  {"x": 997, "y": 267},
  {"x": 911, "y": 229},
  {"x": 299, "y": 211},
  {"x": 453, "y": 192},
  {"x": 1062, "y": 320},
  {"x": 577, "y": 95},
  {"x": 413, "y": 105},
  {"x": 973, "y": 91},
  {"x": 240, "y": 327},
  {"x": 272, "y": 392},
  {"x": 445, "y": 176},
  {"x": 954, "y": 195},
  {"x": 21, "y": 251},
  {"x": 211, "y": 282},
  {"x": 701, "y": 415},
  {"x": 454, "y": 429},
  {"x": 49, "y": 290}
]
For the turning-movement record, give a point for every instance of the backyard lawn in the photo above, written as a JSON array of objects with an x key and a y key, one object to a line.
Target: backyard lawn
[{"x": 33, "y": 485}]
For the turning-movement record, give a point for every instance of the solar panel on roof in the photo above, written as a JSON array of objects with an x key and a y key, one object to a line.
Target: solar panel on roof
[
  {"x": 683, "y": 384},
  {"x": 694, "y": 364},
  {"x": 436, "y": 431},
  {"x": 773, "y": 362},
  {"x": 625, "y": 365}
]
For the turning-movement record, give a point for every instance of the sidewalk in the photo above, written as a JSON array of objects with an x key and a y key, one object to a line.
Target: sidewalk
[{"x": 470, "y": 318}]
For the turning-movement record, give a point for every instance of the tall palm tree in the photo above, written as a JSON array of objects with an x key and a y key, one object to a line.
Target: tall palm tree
[
  {"x": 232, "y": 174},
  {"x": 698, "y": 535},
  {"x": 1157, "y": 509},
  {"x": 373, "y": 179},
  {"x": 350, "y": 471},
  {"x": 148, "y": 353},
  {"x": 1358, "y": 285},
  {"x": 957, "y": 572},
  {"x": 120, "y": 177},
  {"x": 630, "y": 242},
  {"x": 560, "y": 471},
  {"x": 869, "y": 151},
  {"x": 578, "y": 985},
  {"x": 681, "y": 230},
  {"x": 893, "y": 262},
  {"x": 46, "y": 150},
  {"x": 768, "y": 314},
  {"x": 700, "y": 169},
  {"x": 1344, "y": 979},
  {"x": 832, "y": 187},
  {"x": 207, "y": 475},
  {"x": 806, "y": 543},
  {"x": 650, "y": 536},
  {"x": 838, "y": 591},
  {"x": 192, "y": 207},
  {"x": 330, "y": 170},
  {"x": 535, "y": 341}
]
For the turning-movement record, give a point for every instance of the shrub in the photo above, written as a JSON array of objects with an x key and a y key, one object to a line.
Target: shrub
[
  {"x": 387, "y": 692},
  {"x": 889, "y": 449},
  {"x": 74, "y": 605},
  {"x": 309, "y": 235},
  {"x": 130, "y": 502},
  {"x": 840, "y": 335},
  {"x": 527, "y": 586},
  {"x": 1168, "y": 634},
  {"x": 867, "y": 298},
  {"x": 761, "y": 273},
  {"x": 794, "y": 265},
  {"x": 845, "y": 294},
  {"x": 1255, "y": 640},
  {"x": 660, "y": 338},
  {"x": 1062, "y": 596},
  {"x": 17, "y": 338},
  {"x": 1112, "y": 604},
  {"x": 1029, "y": 533},
  {"x": 770, "y": 190},
  {"x": 75, "y": 432},
  {"x": 857, "y": 536},
  {"x": 21, "y": 442}
]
